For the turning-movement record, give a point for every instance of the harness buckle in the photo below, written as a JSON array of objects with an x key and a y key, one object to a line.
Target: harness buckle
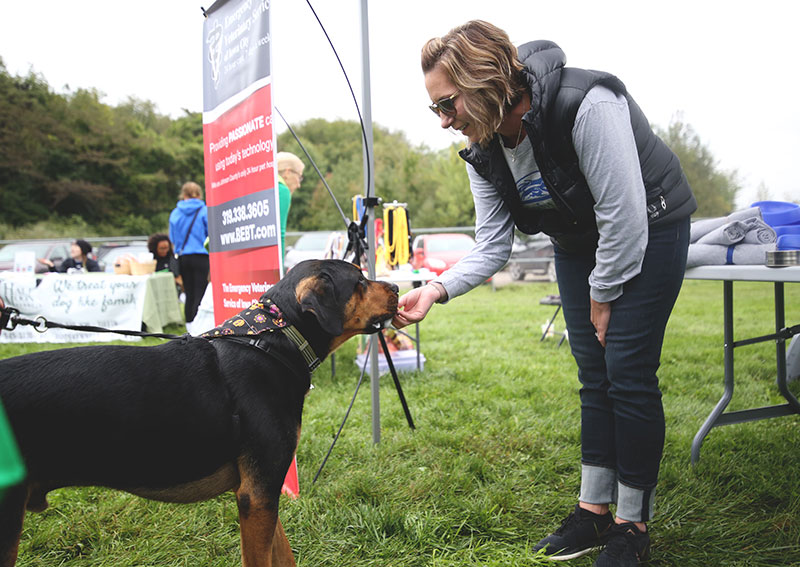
[{"x": 8, "y": 319}]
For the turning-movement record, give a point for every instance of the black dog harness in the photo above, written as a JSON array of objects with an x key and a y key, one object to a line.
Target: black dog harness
[
  {"x": 264, "y": 316},
  {"x": 259, "y": 318}
]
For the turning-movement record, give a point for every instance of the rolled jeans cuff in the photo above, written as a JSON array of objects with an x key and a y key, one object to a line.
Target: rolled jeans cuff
[
  {"x": 598, "y": 485},
  {"x": 635, "y": 504}
]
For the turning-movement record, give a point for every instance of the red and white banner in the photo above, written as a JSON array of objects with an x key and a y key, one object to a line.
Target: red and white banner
[{"x": 239, "y": 143}]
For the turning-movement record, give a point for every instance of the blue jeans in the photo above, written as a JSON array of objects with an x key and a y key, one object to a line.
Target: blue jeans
[{"x": 622, "y": 419}]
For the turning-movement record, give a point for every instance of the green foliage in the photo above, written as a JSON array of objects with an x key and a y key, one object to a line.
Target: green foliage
[
  {"x": 494, "y": 463},
  {"x": 120, "y": 168},
  {"x": 433, "y": 184},
  {"x": 715, "y": 190},
  {"x": 72, "y": 155},
  {"x": 53, "y": 227}
]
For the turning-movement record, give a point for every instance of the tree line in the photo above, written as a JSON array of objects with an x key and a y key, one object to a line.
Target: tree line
[{"x": 69, "y": 158}]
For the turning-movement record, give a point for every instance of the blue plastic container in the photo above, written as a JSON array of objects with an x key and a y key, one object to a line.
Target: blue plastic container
[
  {"x": 778, "y": 213},
  {"x": 789, "y": 242},
  {"x": 787, "y": 229}
]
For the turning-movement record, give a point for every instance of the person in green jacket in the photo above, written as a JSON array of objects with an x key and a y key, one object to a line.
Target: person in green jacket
[{"x": 290, "y": 176}]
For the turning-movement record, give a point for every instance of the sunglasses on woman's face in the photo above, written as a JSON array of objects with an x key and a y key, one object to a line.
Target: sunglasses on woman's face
[{"x": 445, "y": 106}]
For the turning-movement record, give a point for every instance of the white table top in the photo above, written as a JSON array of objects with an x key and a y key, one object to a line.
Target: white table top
[
  {"x": 405, "y": 276},
  {"x": 753, "y": 273}
]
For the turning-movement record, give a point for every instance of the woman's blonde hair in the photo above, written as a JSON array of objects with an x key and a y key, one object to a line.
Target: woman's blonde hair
[
  {"x": 191, "y": 190},
  {"x": 480, "y": 60}
]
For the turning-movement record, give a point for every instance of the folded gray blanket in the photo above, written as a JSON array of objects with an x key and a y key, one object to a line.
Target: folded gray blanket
[
  {"x": 759, "y": 232},
  {"x": 702, "y": 227},
  {"x": 750, "y": 231},
  {"x": 725, "y": 235},
  {"x": 741, "y": 238},
  {"x": 719, "y": 255}
]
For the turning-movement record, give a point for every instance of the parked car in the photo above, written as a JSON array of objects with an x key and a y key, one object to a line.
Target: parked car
[
  {"x": 310, "y": 246},
  {"x": 439, "y": 252},
  {"x": 532, "y": 254},
  {"x": 54, "y": 250},
  {"x": 107, "y": 254}
]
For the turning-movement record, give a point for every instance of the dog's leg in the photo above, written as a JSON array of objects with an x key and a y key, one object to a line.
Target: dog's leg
[
  {"x": 281, "y": 550},
  {"x": 12, "y": 513},
  {"x": 260, "y": 528}
]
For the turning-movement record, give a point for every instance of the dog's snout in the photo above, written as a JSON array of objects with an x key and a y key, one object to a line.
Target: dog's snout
[{"x": 394, "y": 288}]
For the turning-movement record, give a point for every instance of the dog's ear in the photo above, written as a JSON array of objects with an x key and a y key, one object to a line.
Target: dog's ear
[{"x": 319, "y": 298}]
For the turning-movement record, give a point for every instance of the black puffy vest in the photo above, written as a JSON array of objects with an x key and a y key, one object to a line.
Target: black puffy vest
[{"x": 556, "y": 94}]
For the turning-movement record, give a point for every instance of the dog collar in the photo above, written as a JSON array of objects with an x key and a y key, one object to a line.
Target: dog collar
[
  {"x": 312, "y": 360},
  {"x": 261, "y": 317}
]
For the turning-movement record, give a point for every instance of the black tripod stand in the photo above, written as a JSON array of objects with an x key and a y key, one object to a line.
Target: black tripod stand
[{"x": 357, "y": 244}]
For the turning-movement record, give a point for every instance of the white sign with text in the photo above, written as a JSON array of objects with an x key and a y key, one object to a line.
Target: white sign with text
[{"x": 72, "y": 299}]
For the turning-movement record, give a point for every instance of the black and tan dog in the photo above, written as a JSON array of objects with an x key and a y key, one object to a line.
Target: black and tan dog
[{"x": 190, "y": 419}]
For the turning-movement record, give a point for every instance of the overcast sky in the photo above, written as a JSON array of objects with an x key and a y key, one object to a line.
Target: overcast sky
[{"x": 727, "y": 68}]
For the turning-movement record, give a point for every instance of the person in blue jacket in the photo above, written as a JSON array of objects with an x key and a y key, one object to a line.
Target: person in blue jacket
[{"x": 188, "y": 229}]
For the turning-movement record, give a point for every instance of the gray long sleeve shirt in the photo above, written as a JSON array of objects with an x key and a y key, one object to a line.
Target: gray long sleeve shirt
[{"x": 609, "y": 161}]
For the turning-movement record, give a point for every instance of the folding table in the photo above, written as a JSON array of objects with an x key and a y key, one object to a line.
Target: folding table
[{"x": 729, "y": 274}]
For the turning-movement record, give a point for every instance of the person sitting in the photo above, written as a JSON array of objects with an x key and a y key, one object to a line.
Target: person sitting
[
  {"x": 160, "y": 246},
  {"x": 79, "y": 260}
]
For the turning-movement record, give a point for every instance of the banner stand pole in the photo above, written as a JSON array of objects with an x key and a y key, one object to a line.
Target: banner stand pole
[{"x": 369, "y": 190}]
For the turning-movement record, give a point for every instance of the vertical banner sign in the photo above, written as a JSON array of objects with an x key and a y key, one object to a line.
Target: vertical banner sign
[{"x": 239, "y": 145}]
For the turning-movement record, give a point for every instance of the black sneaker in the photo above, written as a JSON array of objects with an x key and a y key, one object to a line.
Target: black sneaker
[
  {"x": 627, "y": 547},
  {"x": 580, "y": 533}
]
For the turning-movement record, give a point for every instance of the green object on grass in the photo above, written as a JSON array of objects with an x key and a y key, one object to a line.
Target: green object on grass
[{"x": 12, "y": 470}]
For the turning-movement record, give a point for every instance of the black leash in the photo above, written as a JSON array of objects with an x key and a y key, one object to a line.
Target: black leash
[
  {"x": 314, "y": 165},
  {"x": 358, "y": 387},
  {"x": 356, "y": 243},
  {"x": 346, "y": 415},
  {"x": 11, "y": 319}
]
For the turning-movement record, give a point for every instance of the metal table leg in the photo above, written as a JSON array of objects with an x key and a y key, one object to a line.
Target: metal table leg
[
  {"x": 780, "y": 348},
  {"x": 727, "y": 302},
  {"x": 718, "y": 416}
]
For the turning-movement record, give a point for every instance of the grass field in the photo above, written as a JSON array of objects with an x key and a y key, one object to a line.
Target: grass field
[{"x": 493, "y": 465}]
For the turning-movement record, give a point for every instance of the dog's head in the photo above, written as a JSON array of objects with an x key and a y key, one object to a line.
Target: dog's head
[{"x": 330, "y": 301}]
